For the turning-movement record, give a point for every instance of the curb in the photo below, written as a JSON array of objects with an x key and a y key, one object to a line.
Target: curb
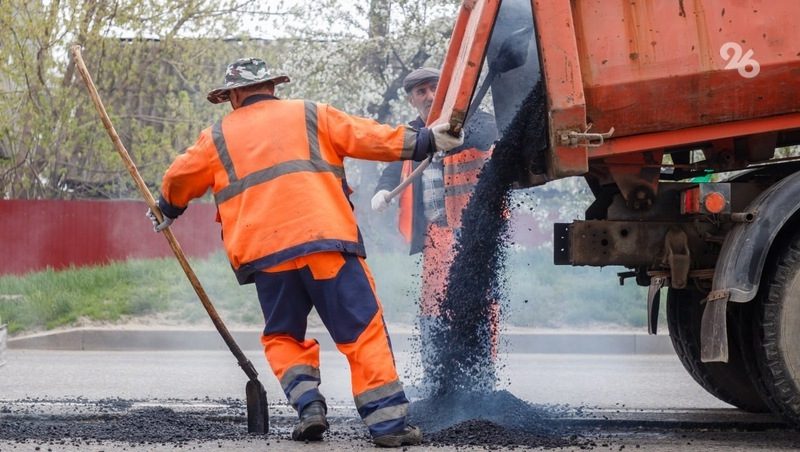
[
  {"x": 3, "y": 341},
  {"x": 95, "y": 339}
]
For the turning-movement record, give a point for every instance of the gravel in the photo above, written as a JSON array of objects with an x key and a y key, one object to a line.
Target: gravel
[
  {"x": 462, "y": 406},
  {"x": 460, "y": 340}
]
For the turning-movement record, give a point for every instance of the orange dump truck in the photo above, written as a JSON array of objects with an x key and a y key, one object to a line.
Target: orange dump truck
[{"x": 681, "y": 116}]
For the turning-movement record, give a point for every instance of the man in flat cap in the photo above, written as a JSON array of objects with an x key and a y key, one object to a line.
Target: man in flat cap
[
  {"x": 275, "y": 168},
  {"x": 430, "y": 208}
]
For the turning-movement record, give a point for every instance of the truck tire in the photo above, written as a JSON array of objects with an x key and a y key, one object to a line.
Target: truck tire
[
  {"x": 730, "y": 382},
  {"x": 777, "y": 330}
]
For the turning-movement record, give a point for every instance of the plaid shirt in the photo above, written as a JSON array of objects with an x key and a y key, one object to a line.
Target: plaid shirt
[{"x": 433, "y": 192}]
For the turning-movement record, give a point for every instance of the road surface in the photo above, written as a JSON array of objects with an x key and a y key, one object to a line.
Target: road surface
[{"x": 601, "y": 402}]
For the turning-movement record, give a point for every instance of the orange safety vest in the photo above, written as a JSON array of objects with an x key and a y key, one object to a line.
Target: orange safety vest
[
  {"x": 276, "y": 170},
  {"x": 405, "y": 218},
  {"x": 461, "y": 172}
]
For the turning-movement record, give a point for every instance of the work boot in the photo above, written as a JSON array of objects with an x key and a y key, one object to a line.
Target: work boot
[
  {"x": 409, "y": 436},
  {"x": 312, "y": 423}
]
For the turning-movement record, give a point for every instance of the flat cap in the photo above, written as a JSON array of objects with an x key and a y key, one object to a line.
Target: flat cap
[{"x": 418, "y": 76}]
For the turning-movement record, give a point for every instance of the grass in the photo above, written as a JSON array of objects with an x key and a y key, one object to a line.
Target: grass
[
  {"x": 108, "y": 293},
  {"x": 538, "y": 293}
]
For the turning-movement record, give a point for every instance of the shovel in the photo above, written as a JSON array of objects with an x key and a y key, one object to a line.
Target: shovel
[
  {"x": 512, "y": 54},
  {"x": 257, "y": 411}
]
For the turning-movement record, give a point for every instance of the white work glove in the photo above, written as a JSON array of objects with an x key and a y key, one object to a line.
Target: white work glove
[
  {"x": 158, "y": 227},
  {"x": 380, "y": 201},
  {"x": 445, "y": 141}
]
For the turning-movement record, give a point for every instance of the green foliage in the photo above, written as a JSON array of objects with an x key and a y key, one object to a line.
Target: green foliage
[
  {"x": 154, "y": 62},
  {"x": 121, "y": 291},
  {"x": 355, "y": 54},
  {"x": 151, "y": 76}
]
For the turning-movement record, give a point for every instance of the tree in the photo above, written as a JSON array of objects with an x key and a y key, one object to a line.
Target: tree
[
  {"x": 154, "y": 61},
  {"x": 48, "y": 130}
]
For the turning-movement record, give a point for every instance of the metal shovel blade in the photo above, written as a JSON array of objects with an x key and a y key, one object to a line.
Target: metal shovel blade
[{"x": 257, "y": 411}]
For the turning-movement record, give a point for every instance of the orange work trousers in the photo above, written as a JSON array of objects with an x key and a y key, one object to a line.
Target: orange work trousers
[{"x": 341, "y": 288}]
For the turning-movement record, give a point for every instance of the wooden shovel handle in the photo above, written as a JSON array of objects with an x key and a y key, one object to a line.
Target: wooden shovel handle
[{"x": 151, "y": 202}]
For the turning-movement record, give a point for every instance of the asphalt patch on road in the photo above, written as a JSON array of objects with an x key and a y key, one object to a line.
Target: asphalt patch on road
[
  {"x": 80, "y": 422},
  {"x": 477, "y": 419},
  {"x": 144, "y": 426},
  {"x": 479, "y": 432},
  {"x": 484, "y": 421}
]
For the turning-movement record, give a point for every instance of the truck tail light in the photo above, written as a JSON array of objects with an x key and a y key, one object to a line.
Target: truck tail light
[
  {"x": 709, "y": 198},
  {"x": 715, "y": 202},
  {"x": 690, "y": 201}
]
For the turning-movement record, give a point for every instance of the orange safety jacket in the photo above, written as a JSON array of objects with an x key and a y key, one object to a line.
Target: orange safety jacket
[
  {"x": 461, "y": 170},
  {"x": 405, "y": 216},
  {"x": 275, "y": 168}
]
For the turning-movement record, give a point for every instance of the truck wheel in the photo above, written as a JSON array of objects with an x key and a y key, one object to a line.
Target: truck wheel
[
  {"x": 729, "y": 382},
  {"x": 777, "y": 330}
]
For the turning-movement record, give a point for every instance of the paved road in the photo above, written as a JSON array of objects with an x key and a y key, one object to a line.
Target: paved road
[
  {"x": 626, "y": 400},
  {"x": 635, "y": 381}
]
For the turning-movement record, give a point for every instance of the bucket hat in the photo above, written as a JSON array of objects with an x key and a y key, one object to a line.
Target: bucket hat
[{"x": 243, "y": 72}]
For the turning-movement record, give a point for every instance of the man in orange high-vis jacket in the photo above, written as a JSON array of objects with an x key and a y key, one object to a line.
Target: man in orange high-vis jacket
[
  {"x": 430, "y": 209},
  {"x": 275, "y": 168}
]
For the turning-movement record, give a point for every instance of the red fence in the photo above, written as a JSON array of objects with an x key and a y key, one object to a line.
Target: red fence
[{"x": 38, "y": 234}]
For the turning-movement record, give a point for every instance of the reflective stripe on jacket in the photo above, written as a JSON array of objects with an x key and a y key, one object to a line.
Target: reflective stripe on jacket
[
  {"x": 276, "y": 170},
  {"x": 461, "y": 172}
]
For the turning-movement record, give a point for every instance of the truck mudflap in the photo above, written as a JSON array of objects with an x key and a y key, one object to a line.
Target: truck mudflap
[{"x": 742, "y": 259}]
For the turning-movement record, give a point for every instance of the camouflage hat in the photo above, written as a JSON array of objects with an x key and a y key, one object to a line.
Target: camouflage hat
[{"x": 243, "y": 72}]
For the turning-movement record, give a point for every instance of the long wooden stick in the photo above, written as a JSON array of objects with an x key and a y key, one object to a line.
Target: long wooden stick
[
  {"x": 405, "y": 182},
  {"x": 246, "y": 365}
]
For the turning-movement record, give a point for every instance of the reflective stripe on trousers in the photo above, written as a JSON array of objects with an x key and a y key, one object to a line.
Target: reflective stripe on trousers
[
  {"x": 384, "y": 409},
  {"x": 341, "y": 289},
  {"x": 301, "y": 386}
]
